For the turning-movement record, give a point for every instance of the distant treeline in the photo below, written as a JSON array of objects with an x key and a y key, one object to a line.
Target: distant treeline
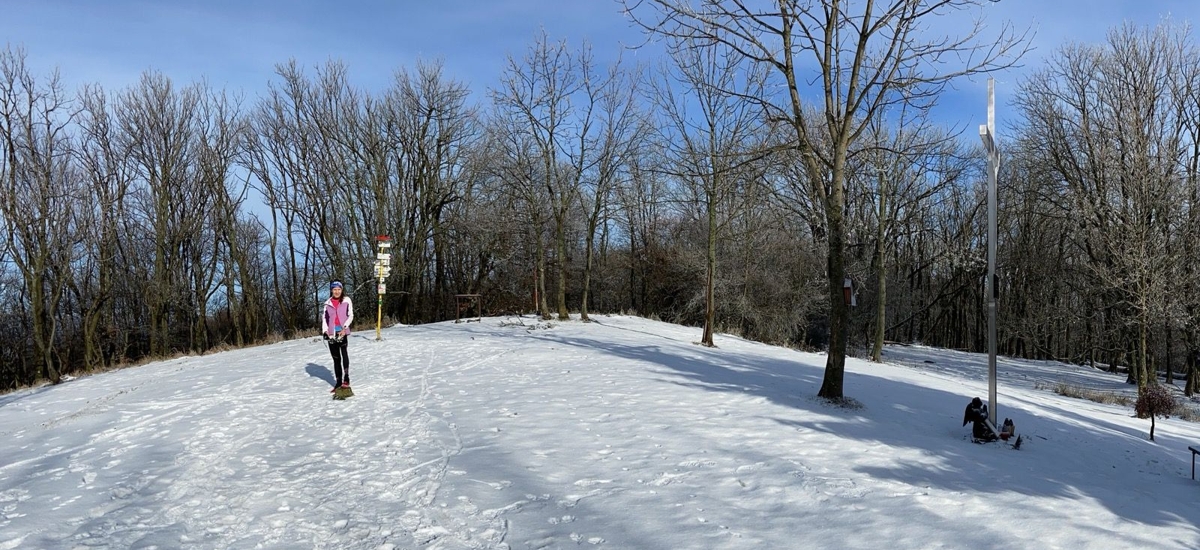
[{"x": 170, "y": 218}]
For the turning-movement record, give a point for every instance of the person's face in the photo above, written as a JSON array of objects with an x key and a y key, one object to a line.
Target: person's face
[{"x": 337, "y": 292}]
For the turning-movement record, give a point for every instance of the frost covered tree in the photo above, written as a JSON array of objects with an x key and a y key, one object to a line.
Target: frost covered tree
[
  {"x": 711, "y": 140},
  {"x": 1110, "y": 121}
]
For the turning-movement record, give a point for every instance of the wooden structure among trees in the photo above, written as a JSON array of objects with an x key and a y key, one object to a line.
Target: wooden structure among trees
[{"x": 463, "y": 302}]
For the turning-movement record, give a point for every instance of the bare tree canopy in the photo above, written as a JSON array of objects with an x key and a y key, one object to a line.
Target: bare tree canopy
[
  {"x": 1116, "y": 124},
  {"x": 838, "y": 65},
  {"x": 734, "y": 189}
]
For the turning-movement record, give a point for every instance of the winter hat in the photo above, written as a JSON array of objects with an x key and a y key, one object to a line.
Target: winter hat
[{"x": 335, "y": 284}]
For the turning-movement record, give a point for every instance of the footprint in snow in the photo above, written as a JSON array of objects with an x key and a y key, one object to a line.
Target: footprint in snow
[
  {"x": 592, "y": 482},
  {"x": 750, "y": 467}
]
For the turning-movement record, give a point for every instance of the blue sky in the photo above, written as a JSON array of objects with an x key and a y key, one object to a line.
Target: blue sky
[{"x": 236, "y": 44}]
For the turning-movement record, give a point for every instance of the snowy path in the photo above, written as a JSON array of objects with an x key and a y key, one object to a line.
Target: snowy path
[{"x": 616, "y": 434}]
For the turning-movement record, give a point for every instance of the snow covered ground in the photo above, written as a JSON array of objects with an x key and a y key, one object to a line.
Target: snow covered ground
[{"x": 619, "y": 434}]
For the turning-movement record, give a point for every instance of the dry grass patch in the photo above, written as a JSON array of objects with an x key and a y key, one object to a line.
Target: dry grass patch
[
  {"x": 1183, "y": 410},
  {"x": 1106, "y": 397}
]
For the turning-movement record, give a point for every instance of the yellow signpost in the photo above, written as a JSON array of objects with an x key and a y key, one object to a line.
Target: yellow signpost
[{"x": 383, "y": 262}]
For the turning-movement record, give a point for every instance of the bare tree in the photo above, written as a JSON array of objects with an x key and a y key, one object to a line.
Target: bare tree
[
  {"x": 279, "y": 153},
  {"x": 711, "y": 151},
  {"x": 338, "y": 183},
  {"x": 106, "y": 162},
  {"x": 1188, "y": 91},
  {"x": 41, "y": 227},
  {"x": 535, "y": 95},
  {"x": 309, "y": 161},
  {"x": 515, "y": 168},
  {"x": 621, "y": 127},
  {"x": 429, "y": 127},
  {"x": 219, "y": 138},
  {"x": 553, "y": 97},
  {"x": 1043, "y": 287},
  {"x": 1110, "y": 119},
  {"x": 866, "y": 58},
  {"x": 641, "y": 201},
  {"x": 907, "y": 162},
  {"x": 158, "y": 123}
]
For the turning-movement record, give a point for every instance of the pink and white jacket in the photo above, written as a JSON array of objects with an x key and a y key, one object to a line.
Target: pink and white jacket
[{"x": 341, "y": 314}]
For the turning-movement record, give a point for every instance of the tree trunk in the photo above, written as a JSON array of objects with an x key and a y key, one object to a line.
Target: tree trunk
[
  {"x": 589, "y": 250},
  {"x": 1189, "y": 385},
  {"x": 710, "y": 274},
  {"x": 839, "y": 312},
  {"x": 43, "y": 330},
  {"x": 1143, "y": 362},
  {"x": 1170, "y": 364},
  {"x": 1193, "y": 378},
  {"x": 543, "y": 306},
  {"x": 560, "y": 245},
  {"x": 881, "y": 274}
]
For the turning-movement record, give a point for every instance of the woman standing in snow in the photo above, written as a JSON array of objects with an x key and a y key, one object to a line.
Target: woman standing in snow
[{"x": 336, "y": 316}]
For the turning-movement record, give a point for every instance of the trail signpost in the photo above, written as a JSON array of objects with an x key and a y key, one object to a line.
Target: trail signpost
[
  {"x": 383, "y": 268},
  {"x": 987, "y": 133}
]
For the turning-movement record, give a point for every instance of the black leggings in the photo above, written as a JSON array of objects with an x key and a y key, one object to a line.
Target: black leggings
[{"x": 341, "y": 361}]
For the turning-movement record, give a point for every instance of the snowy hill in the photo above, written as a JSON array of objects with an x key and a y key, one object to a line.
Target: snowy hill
[{"x": 617, "y": 434}]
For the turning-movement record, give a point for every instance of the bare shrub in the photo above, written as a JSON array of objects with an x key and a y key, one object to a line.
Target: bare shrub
[{"x": 1154, "y": 400}]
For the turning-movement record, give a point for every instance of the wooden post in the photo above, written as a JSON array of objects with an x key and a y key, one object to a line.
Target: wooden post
[{"x": 458, "y": 306}]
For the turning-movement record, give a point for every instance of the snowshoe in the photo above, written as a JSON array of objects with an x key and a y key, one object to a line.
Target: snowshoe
[
  {"x": 1007, "y": 430},
  {"x": 1003, "y": 435}
]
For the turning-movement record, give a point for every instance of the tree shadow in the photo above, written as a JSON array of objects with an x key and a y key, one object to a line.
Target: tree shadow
[
  {"x": 1109, "y": 479},
  {"x": 974, "y": 366},
  {"x": 717, "y": 369},
  {"x": 22, "y": 393},
  {"x": 898, "y": 415}
]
